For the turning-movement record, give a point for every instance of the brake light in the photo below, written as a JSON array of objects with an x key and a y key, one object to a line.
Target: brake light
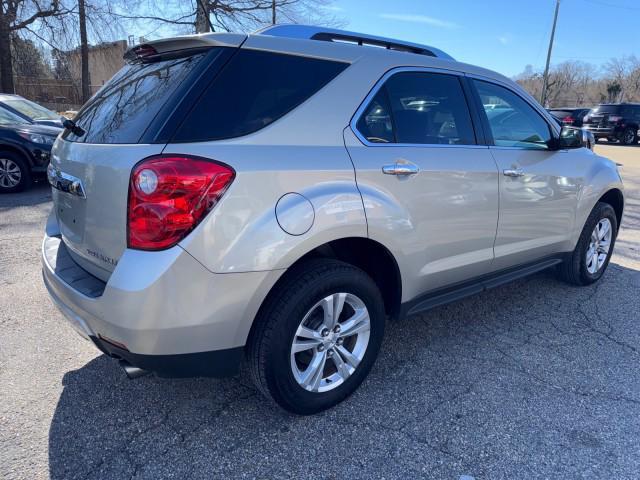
[
  {"x": 568, "y": 119},
  {"x": 168, "y": 197},
  {"x": 139, "y": 53}
]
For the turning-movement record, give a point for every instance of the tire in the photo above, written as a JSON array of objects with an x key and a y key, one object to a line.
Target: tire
[
  {"x": 274, "y": 367},
  {"x": 15, "y": 175},
  {"x": 612, "y": 139},
  {"x": 629, "y": 136},
  {"x": 576, "y": 269}
]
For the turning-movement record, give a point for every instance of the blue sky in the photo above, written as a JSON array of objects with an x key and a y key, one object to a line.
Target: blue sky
[{"x": 503, "y": 35}]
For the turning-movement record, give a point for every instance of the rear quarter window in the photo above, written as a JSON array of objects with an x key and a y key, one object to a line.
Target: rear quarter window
[{"x": 252, "y": 91}]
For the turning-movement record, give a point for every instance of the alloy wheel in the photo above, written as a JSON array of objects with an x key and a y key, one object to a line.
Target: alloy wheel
[
  {"x": 599, "y": 245},
  {"x": 330, "y": 342},
  {"x": 10, "y": 173},
  {"x": 629, "y": 137}
]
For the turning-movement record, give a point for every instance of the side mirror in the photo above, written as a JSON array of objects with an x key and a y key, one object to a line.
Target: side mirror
[{"x": 571, "y": 137}]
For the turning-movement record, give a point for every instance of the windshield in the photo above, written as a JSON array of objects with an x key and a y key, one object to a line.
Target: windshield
[
  {"x": 31, "y": 109},
  {"x": 9, "y": 118},
  {"x": 605, "y": 109}
]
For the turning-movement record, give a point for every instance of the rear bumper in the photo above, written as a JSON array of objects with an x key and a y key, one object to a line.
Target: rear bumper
[
  {"x": 161, "y": 311},
  {"x": 217, "y": 363}
]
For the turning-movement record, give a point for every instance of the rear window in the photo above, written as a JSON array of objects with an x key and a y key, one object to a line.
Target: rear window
[
  {"x": 124, "y": 107},
  {"x": 562, "y": 113},
  {"x": 255, "y": 89}
]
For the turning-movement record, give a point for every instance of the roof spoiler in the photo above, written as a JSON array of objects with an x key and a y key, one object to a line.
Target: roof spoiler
[{"x": 183, "y": 43}]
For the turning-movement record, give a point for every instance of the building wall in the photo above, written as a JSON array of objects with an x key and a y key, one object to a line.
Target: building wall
[{"x": 104, "y": 61}]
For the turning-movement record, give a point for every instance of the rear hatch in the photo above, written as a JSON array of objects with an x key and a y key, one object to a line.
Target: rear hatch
[
  {"x": 603, "y": 116},
  {"x": 128, "y": 119}
]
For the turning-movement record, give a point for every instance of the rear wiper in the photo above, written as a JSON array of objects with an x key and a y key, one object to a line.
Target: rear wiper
[{"x": 71, "y": 126}]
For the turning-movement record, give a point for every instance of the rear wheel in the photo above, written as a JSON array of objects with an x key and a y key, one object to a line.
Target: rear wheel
[
  {"x": 630, "y": 136},
  {"x": 14, "y": 173},
  {"x": 589, "y": 260},
  {"x": 317, "y": 337}
]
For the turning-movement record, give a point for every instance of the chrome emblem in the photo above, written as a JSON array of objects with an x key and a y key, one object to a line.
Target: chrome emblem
[{"x": 65, "y": 182}]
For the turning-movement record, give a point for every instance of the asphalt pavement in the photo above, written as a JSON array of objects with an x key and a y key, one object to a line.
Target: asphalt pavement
[{"x": 535, "y": 379}]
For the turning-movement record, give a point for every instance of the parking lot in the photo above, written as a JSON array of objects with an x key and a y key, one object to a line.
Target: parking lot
[{"x": 531, "y": 380}]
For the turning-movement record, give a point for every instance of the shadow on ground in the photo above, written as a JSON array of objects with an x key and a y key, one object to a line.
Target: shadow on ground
[{"x": 531, "y": 379}]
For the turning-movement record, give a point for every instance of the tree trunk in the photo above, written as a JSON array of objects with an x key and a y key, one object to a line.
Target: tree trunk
[
  {"x": 6, "y": 63},
  {"x": 84, "y": 53},
  {"x": 202, "y": 20},
  {"x": 273, "y": 12}
]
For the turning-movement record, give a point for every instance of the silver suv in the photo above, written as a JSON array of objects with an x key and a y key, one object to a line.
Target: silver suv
[{"x": 269, "y": 200}]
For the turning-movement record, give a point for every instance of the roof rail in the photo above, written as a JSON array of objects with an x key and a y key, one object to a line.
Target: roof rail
[{"x": 308, "y": 32}]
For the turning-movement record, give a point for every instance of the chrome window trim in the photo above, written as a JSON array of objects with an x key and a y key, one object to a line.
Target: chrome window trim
[{"x": 374, "y": 91}]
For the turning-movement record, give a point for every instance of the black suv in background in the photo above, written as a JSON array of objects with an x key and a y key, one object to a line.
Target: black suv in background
[
  {"x": 24, "y": 150},
  {"x": 615, "y": 122},
  {"x": 569, "y": 116}
]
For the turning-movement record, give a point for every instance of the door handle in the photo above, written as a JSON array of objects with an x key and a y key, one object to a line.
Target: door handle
[
  {"x": 515, "y": 172},
  {"x": 400, "y": 169}
]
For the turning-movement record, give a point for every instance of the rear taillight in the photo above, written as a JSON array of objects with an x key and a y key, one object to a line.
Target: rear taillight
[
  {"x": 169, "y": 195},
  {"x": 567, "y": 120}
]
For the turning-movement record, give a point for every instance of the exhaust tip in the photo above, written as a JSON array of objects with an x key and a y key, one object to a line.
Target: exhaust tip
[{"x": 131, "y": 371}]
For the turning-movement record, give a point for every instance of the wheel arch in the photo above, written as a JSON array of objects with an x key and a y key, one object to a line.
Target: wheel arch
[
  {"x": 370, "y": 256},
  {"x": 9, "y": 147},
  {"x": 615, "y": 198}
]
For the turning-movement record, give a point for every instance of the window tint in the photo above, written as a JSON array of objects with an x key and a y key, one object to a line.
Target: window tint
[
  {"x": 123, "y": 108},
  {"x": 429, "y": 108},
  {"x": 513, "y": 122},
  {"x": 255, "y": 89},
  {"x": 375, "y": 124}
]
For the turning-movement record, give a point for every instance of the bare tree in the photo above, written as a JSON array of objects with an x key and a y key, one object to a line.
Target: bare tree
[
  {"x": 84, "y": 51},
  {"x": 575, "y": 83},
  {"x": 16, "y": 17},
  {"x": 228, "y": 15}
]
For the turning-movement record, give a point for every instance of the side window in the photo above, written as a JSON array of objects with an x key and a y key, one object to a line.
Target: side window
[
  {"x": 419, "y": 108},
  {"x": 255, "y": 89},
  {"x": 375, "y": 123},
  {"x": 513, "y": 122}
]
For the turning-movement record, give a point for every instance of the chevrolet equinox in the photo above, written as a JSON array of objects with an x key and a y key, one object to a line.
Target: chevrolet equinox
[{"x": 270, "y": 200}]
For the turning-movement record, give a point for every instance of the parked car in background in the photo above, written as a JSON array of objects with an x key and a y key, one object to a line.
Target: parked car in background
[
  {"x": 25, "y": 149},
  {"x": 30, "y": 111},
  {"x": 569, "y": 116},
  {"x": 272, "y": 198},
  {"x": 615, "y": 122}
]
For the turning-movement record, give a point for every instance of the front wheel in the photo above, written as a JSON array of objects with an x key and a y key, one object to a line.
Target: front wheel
[
  {"x": 14, "y": 173},
  {"x": 589, "y": 260},
  {"x": 317, "y": 336},
  {"x": 630, "y": 136}
]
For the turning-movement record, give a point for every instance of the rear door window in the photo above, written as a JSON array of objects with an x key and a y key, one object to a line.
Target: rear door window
[
  {"x": 426, "y": 109},
  {"x": 125, "y": 106},
  {"x": 253, "y": 90}
]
